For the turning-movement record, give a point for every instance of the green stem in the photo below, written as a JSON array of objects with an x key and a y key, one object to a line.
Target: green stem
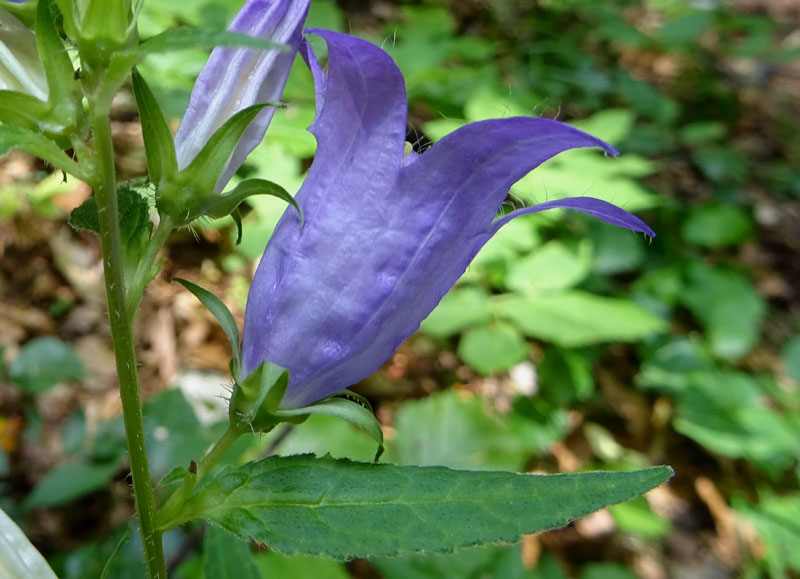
[
  {"x": 172, "y": 507},
  {"x": 105, "y": 191}
]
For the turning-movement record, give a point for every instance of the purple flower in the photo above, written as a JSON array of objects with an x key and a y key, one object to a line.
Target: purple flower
[
  {"x": 236, "y": 78},
  {"x": 385, "y": 235}
]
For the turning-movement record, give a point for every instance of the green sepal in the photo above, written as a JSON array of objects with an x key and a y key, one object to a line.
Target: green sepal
[
  {"x": 189, "y": 196},
  {"x": 207, "y": 166},
  {"x": 66, "y": 110},
  {"x": 348, "y": 406},
  {"x": 256, "y": 399},
  {"x": 237, "y": 219},
  {"x": 203, "y": 38},
  {"x": 218, "y": 206},
  {"x": 23, "y": 139},
  {"x": 159, "y": 145},
  {"x": 225, "y": 318},
  {"x": 104, "y": 30}
]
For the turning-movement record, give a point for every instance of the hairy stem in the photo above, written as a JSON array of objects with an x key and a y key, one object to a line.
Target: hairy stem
[{"x": 105, "y": 191}]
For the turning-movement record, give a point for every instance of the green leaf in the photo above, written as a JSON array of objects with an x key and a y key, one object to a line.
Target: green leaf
[
  {"x": 22, "y": 109},
  {"x": 158, "y": 143},
  {"x": 44, "y": 362},
  {"x": 323, "y": 435},
  {"x": 173, "y": 434},
  {"x": 19, "y": 559},
  {"x": 564, "y": 376},
  {"x": 492, "y": 348},
  {"x": 727, "y": 305},
  {"x": 460, "y": 308},
  {"x": 223, "y": 315},
  {"x": 23, "y": 139},
  {"x": 84, "y": 217},
  {"x": 775, "y": 518},
  {"x": 553, "y": 266},
  {"x": 123, "y": 540},
  {"x": 227, "y": 557},
  {"x": 307, "y": 505},
  {"x": 636, "y": 517},
  {"x": 70, "y": 481},
  {"x": 134, "y": 220},
  {"x": 202, "y": 38},
  {"x": 447, "y": 429},
  {"x": 276, "y": 565},
  {"x": 717, "y": 226},
  {"x": 576, "y": 318},
  {"x": 487, "y": 562},
  {"x": 726, "y": 413},
  {"x": 348, "y": 406},
  {"x": 790, "y": 354}
]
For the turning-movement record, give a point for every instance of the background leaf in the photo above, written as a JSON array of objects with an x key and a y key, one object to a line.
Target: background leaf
[
  {"x": 44, "y": 362},
  {"x": 576, "y": 318},
  {"x": 227, "y": 557}
]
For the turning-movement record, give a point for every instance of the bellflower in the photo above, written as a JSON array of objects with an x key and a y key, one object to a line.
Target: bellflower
[
  {"x": 235, "y": 78},
  {"x": 386, "y": 234}
]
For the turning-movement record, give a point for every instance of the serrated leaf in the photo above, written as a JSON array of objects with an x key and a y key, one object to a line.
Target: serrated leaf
[
  {"x": 227, "y": 557},
  {"x": 159, "y": 145},
  {"x": 576, "y": 318},
  {"x": 202, "y": 38},
  {"x": 223, "y": 315},
  {"x": 302, "y": 504},
  {"x": 18, "y": 557},
  {"x": 44, "y": 362},
  {"x": 23, "y": 139},
  {"x": 492, "y": 348},
  {"x": 84, "y": 217}
]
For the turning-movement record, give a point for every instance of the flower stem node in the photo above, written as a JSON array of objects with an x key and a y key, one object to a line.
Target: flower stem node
[{"x": 256, "y": 405}]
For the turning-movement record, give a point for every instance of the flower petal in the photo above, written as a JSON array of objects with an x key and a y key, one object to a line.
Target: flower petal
[
  {"x": 384, "y": 238},
  {"x": 235, "y": 78}
]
